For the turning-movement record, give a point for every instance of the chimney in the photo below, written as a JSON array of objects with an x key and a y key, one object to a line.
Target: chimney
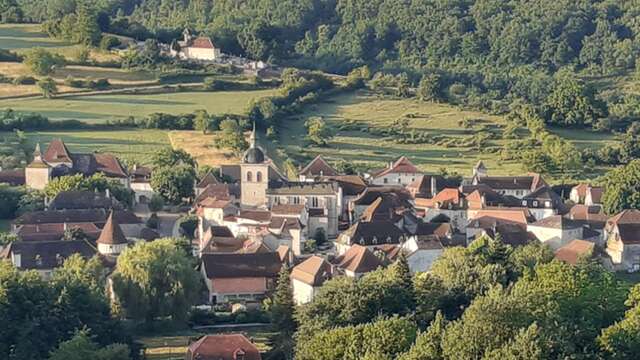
[
  {"x": 16, "y": 259},
  {"x": 433, "y": 186},
  {"x": 107, "y": 193},
  {"x": 390, "y": 164},
  {"x": 135, "y": 167},
  {"x": 64, "y": 226}
]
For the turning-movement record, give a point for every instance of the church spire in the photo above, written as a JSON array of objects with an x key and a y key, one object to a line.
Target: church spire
[{"x": 252, "y": 138}]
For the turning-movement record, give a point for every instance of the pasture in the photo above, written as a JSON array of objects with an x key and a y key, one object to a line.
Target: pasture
[
  {"x": 130, "y": 146},
  {"x": 372, "y": 151},
  {"x": 100, "y": 108}
]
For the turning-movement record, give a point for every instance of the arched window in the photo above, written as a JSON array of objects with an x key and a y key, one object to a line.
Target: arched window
[
  {"x": 249, "y": 176},
  {"x": 259, "y": 176}
]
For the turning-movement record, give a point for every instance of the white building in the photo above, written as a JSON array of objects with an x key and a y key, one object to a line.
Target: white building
[{"x": 307, "y": 278}]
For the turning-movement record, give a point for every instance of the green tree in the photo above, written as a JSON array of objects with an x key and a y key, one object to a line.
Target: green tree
[
  {"x": 403, "y": 85},
  {"x": 428, "y": 344},
  {"x": 42, "y": 62},
  {"x": 156, "y": 203},
  {"x": 81, "y": 347},
  {"x": 572, "y": 103},
  {"x": 156, "y": 279},
  {"x": 622, "y": 339},
  {"x": 318, "y": 132},
  {"x": 622, "y": 188},
  {"x": 429, "y": 87},
  {"x": 7, "y": 238},
  {"x": 48, "y": 88},
  {"x": 87, "y": 31},
  {"x": 282, "y": 310},
  {"x": 525, "y": 346},
  {"x": 174, "y": 183},
  {"x": 386, "y": 338},
  {"x": 202, "y": 121},
  {"x": 32, "y": 200},
  {"x": 231, "y": 137},
  {"x": 168, "y": 157}
]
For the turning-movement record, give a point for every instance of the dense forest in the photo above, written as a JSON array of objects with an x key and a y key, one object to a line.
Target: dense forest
[
  {"x": 459, "y": 36},
  {"x": 478, "y": 53}
]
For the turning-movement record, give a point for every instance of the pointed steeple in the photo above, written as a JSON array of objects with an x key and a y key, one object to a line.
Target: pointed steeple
[
  {"x": 37, "y": 158},
  {"x": 111, "y": 233},
  {"x": 252, "y": 138}
]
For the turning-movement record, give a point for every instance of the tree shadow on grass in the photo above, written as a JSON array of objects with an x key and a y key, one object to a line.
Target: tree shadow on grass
[{"x": 133, "y": 100}]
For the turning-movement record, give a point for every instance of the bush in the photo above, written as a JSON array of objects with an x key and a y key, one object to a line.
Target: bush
[
  {"x": 201, "y": 317},
  {"x": 153, "y": 222},
  {"x": 156, "y": 203},
  {"x": 24, "y": 80},
  {"x": 109, "y": 42}
]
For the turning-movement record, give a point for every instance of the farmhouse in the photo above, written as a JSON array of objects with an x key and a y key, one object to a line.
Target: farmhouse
[
  {"x": 194, "y": 48},
  {"x": 622, "y": 233},
  {"x": 58, "y": 161}
]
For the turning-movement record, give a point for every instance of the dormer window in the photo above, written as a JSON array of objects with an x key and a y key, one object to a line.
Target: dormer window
[
  {"x": 524, "y": 202},
  {"x": 535, "y": 203},
  {"x": 361, "y": 241},
  {"x": 38, "y": 260},
  {"x": 374, "y": 240},
  {"x": 547, "y": 204}
]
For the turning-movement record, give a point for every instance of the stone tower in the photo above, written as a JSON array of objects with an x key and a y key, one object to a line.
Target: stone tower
[
  {"x": 37, "y": 173},
  {"x": 254, "y": 173},
  {"x": 112, "y": 240},
  {"x": 480, "y": 170}
]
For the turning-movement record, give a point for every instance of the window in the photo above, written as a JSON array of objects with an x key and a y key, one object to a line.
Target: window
[
  {"x": 296, "y": 200},
  {"x": 547, "y": 204},
  {"x": 385, "y": 180},
  {"x": 399, "y": 181},
  {"x": 259, "y": 176},
  {"x": 375, "y": 240},
  {"x": 524, "y": 202},
  {"x": 314, "y": 202},
  {"x": 249, "y": 176},
  {"x": 535, "y": 203}
]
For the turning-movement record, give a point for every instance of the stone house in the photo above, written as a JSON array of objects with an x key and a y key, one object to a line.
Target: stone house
[
  {"x": 239, "y": 277},
  {"x": 556, "y": 231},
  {"x": 402, "y": 172},
  {"x": 194, "y": 48},
  {"x": 307, "y": 278},
  {"x": 622, "y": 233}
]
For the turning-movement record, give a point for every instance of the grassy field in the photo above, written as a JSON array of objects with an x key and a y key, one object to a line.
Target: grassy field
[
  {"x": 435, "y": 119},
  {"x": 23, "y": 37},
  {"x": 100, "y": 108},
  {"x": 129, "y": 145}
]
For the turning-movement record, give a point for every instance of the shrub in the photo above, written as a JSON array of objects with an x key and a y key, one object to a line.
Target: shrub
[
  {"x": 109, "y": 42},
  {"x": 156, "y": 203},
  {"x": 24, "y": 80},
  {"x": 153, "y": 222}
]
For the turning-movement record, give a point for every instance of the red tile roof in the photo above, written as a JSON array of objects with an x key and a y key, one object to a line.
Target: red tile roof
[
  {"x": 57, "y": 152},
  {"x": 358, "y": 259},
  {"x": 313, "y": 271},
  {"x": 111, "y": 233},
  {"x": 202, "y": 42},
  {"x": 223, "y": 347},
  {"x": 318, "y": 167},
  {"x": 402, "y": 165},
  {"x": 574, "y": 251}
]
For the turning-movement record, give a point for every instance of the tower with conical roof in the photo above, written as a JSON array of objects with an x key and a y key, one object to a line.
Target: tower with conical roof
[
  {"x": 480, "y": 170},
  {"x": 112, "y": 240},
  {"x": 254, "y": 173},
  {"x": 38, "y": 172}
]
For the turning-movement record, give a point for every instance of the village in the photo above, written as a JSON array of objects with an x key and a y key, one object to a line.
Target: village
[
  {"x": 320, "y": 225},
  {"x": 319, "y": 180}
]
